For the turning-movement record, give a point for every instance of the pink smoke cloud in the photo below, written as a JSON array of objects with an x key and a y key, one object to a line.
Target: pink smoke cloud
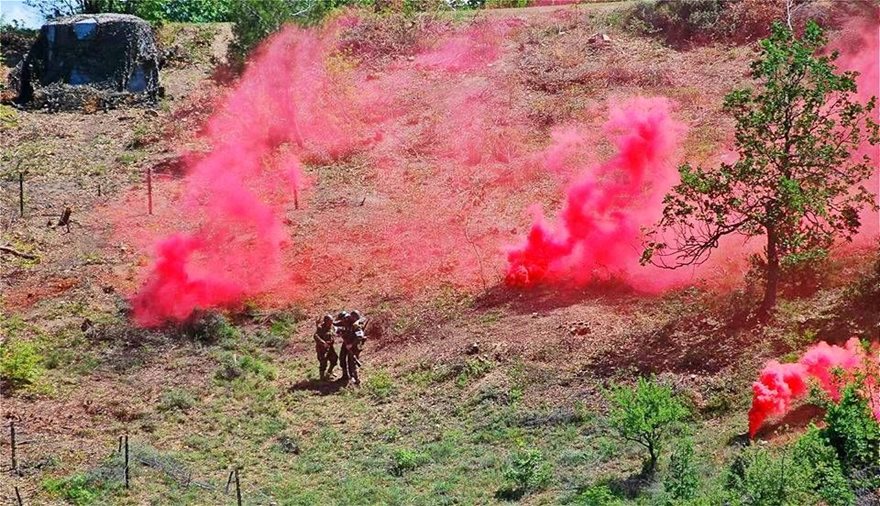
[
  {"x": 780, "y": 385},
  {"x": 598, "y": 229}
]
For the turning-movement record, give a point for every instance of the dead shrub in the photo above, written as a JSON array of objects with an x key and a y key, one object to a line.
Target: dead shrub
[
  {"x": 377, "y": 38},
  {"x": 695, "y": 22}
]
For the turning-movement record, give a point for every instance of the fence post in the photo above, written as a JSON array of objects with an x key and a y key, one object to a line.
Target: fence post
[
  {"x": 18, "y": 497},
  {"x": 21, "y": 193},
  {"x": 237, "y": 488},
  {"x": 150, "y": 190},
  {"x": 12, "y": 445},
  {"x": 126, "y": 461}
]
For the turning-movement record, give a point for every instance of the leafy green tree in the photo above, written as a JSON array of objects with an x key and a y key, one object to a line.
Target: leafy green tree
[
  {"x": 644, "y": 414},
  {"x": 190, "y": 11},
  {"x": 796, "y": 181}
]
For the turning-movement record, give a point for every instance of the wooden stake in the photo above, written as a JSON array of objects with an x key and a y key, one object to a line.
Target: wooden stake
[
  {"x": 150, "y": 190},
  {"x": 18, "y": 497},
  {"x": 237, "y": 488},
  {"x": 21, "y": 193},
  {"x": 295, "y": 198},
  {"x": 126, "y": 461},
  {"x": 229, "y": 481},
  {"x": 12, "y": 444},
  {"x": 99, "y": 189}
]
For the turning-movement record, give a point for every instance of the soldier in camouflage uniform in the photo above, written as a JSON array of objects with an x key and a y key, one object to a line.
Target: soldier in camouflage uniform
[
  {"x": 353, "y": 338},
  {"x": 325, "y": 333}
]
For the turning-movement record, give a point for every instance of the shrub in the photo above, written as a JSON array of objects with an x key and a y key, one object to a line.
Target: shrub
[
  {"x": 184, "y": 11},
  {"x": 472, "y": 369},
  {"x": 404, "y": 460},
  {"x": 210, "y": 328},
  {"x": 79, "y": 489},
  {"x": 176, "y": 399},
  {"x": 380, "y": 385},
  {"x": 254, "y": 21},
  {"x": 526, "y": 472},
  {"x": 813, "y": 451},
  {"x": 597, "y": 495},
  {"x": 20, "y": 363},
  {"x": 854, "y": 433},
  {"x": 758, "y": 477},
  {"x": 233, "y": 366},
  {"x": 682, "y": 479},
  {"x": 644, "y": 414},
  {"x": 677, "y": 22}
]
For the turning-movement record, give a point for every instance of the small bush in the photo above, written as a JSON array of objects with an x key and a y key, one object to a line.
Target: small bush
[
  {"x": 597, "y": 495},
  {"x": 527, "y": 472},
  {"x": 380, "y": 385},
  {"x": 677, "y": 22},
  {"x": 20, "y": 363},
  {"x": 682, "y": 479},
  {"x": 78, "y": 489},
  {"x": 813, "y": 451},
  {"x": 472, "y": 369},
  {"x": 233, "y": 366},
  {"x": 761, "y": 478},
  {"x": 210, "y": 328},
  {"x": 854, "y": 433},
  {"x": 644, "y": 414},
  {"x": 254, "y": 21},
  {"x": 176, "y": 399},
  {"x": 405, "y": 460}
]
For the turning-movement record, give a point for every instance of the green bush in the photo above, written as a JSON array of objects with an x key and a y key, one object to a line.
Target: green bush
[
  {"x": 760, "y": 478},
  {"x": 645, "y": 414},
  {"x": 854, "y": 433},
  {"x": 527, "y": 472},
  {"x": 404, "y": 460},
  {"x": 184, "y": 11},
  {"x": 813, "y": 451},
  {"x": 20, "y": 363},
  {"x": 176, "y": 399},
  {"x": 234, "y": 366},
  {"x": 597, "y": 495},
  {"x": 472, "y": 369},
  {"x": 380, "y": 385},
  {"x": 682, "y": 479},
  {"x": 79, "y": 489},
  {"x": 675, "y": 21}
]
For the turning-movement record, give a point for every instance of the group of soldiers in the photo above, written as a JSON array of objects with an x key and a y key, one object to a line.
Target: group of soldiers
[{"x": 349, "y": 326}]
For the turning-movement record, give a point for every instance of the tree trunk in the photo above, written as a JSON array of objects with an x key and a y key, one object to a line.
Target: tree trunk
[{"x": 772, "y": 285}]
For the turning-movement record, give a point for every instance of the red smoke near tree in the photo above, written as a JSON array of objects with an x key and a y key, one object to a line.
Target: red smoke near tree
[
  {"x": 780, "y": 385},
  {"x": 598, "y": 230}
]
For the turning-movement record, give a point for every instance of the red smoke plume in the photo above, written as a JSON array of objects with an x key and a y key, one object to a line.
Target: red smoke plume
[
  {"x": 237, "y": 194},
  {"x": 598, "y": 229},
  {"x": 779, "y": 385}
]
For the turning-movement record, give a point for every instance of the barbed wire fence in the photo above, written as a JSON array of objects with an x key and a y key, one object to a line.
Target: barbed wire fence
[{"x": 29, "y": 455}]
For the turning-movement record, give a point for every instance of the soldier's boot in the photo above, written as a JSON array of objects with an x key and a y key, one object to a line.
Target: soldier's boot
[
  {"x": 322, "y": 369},
  {"x": 332, "y": 366}
]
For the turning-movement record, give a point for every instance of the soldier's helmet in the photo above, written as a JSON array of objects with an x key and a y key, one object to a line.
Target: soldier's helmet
[
  {"x": 354, "y": 315},
  {"x": 341, "y": 317},
  {"x": 328, "y": 319}
]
